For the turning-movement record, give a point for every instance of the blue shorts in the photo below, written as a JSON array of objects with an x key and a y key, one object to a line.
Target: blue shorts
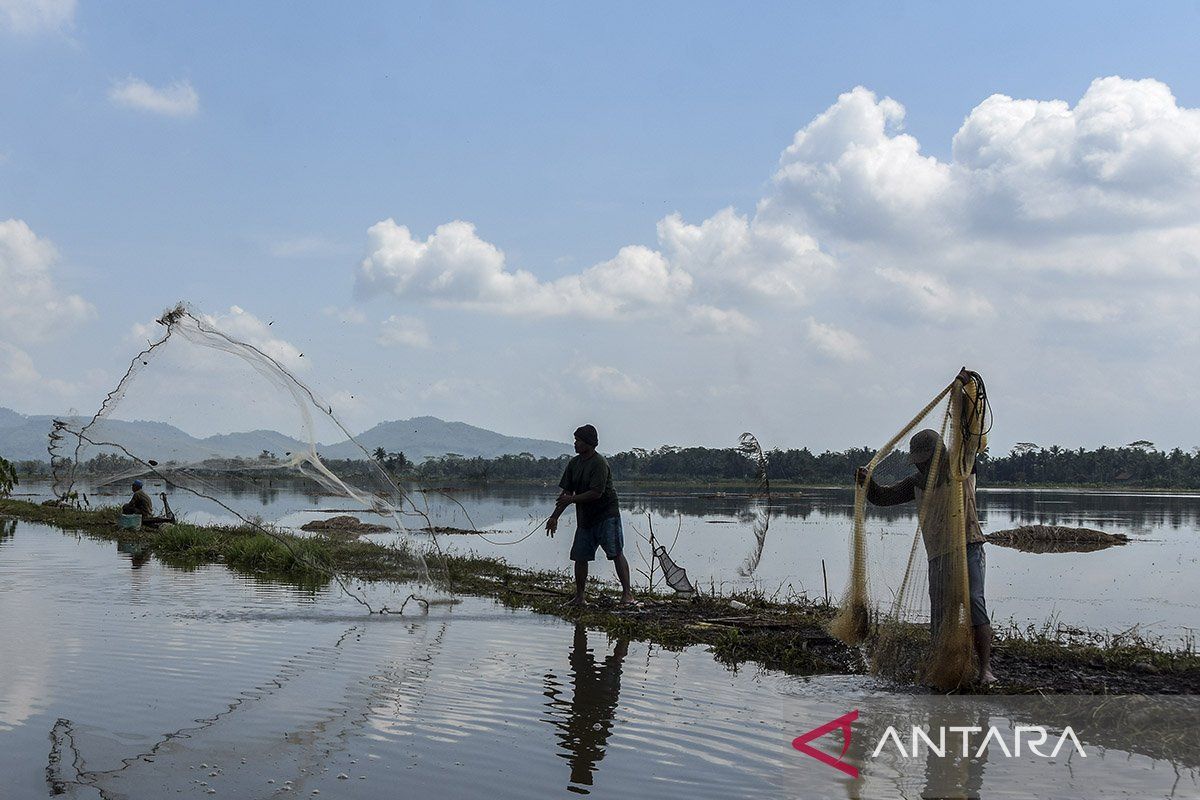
[
  {"x": 606, "y": 533},
  {"x": 940, "y": 576}
]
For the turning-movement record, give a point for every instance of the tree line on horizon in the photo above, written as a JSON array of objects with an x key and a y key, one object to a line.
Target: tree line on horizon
[{"x": 1138, "y": 464}]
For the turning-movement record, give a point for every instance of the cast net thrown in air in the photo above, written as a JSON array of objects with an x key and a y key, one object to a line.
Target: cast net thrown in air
[
  {"x": 195, "y": 373},
  {"x": 909, "y": 602}
]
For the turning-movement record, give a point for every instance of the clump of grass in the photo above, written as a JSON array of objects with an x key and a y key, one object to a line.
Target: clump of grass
[
  {"x": 1129, "y": 650},
  {"x": 244, "y": 549},
  {"x": 61, "y": 516},
  {"x": 900, "y": 651},
  {"x": 304, "y": 558},
  {"x": 186, "y": 546}
]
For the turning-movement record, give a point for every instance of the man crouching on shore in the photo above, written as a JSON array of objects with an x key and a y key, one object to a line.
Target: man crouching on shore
[{"x": 587, "y": 483}]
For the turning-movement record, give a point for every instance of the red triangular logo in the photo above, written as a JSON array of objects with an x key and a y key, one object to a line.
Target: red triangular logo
[{"x": 843, "y": 722}]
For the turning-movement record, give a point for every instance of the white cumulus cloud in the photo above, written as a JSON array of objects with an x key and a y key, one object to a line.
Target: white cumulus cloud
[
  {"x": 32, "y": 304},
  {"x": 833, "y": 342},
  {"x": 853, "y": 172},
  {"x": 454, "y": 266},
  {"x": 726, "y": 255},
  {"x": 731, "y": 253},
  {"x": 16, "y": 367},
  {"x": 1124, "y": 156},
  {"x": 177, "y": 99},
  {"x": 1050, "y": 215},
  {"x": 703, "y": 319},
  {"x": 934, "y": 297},
  {"x": 22, "y": 379}
]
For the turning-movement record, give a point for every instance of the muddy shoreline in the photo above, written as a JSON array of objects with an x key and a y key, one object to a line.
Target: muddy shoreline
[{"x": 786, "y": 636}]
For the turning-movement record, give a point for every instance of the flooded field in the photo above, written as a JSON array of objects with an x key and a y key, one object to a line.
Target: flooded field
[
  {"x": 1153, "y": 582},
  {"x": 128, "y": 679}
]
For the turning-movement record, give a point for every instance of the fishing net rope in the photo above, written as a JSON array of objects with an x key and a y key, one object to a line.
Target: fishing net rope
[
  {"x": 900, "y": 645},
  {"x": 760, "y": 493},
  {"x": 102, "y": 451}
]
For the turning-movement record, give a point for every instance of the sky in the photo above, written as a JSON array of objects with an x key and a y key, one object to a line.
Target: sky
[{"x": 677, "y": 222}]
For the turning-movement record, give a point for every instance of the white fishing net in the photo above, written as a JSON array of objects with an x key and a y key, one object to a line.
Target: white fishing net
[
  {"x": 196, "y": 371},
  {"x": 760, "y": 499}
]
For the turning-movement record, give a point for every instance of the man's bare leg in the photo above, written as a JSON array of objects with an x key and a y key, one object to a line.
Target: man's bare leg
[
  {"x": 623, "y": 575},
  {"x": 581, "y": 575},
  {"x": 983, "y": 650}
]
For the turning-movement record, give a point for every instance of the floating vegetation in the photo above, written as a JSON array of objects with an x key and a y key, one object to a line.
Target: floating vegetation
[
  {"x": 343, "y": 524},
  {"x": 1055, "y": 539}
]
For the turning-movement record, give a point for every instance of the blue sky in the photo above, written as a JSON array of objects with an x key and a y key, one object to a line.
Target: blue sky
[{"x": 565, "y": 133}]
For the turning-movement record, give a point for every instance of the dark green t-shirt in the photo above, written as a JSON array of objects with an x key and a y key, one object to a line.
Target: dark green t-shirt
[{"x": 584, "y": 474}]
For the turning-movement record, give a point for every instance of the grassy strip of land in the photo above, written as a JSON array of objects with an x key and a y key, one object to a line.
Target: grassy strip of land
[{"x": 788, "y": 635}]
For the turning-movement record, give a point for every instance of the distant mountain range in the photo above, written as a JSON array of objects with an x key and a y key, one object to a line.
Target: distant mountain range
[{"x": 24, "y": 437}]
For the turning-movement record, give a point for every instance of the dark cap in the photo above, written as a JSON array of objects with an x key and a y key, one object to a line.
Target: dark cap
[
  {"x": 922, "y": 446},
  {"x": 587, "y": 434},
  {"x": 137, "y": 483}
]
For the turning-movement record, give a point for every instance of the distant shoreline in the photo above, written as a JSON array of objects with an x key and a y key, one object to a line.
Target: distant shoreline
[{"x": 690, "y": 486}]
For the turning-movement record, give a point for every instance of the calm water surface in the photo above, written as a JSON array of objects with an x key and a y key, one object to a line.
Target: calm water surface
[
  {"x": 152, "y": 682},
  {"x": 1152, "y": 583}
]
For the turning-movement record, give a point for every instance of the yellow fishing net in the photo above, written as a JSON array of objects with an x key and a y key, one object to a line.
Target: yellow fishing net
[{"x": 923, "y": 633}]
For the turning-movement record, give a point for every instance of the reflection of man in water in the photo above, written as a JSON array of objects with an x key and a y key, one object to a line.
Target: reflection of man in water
[
  {"x": 956, "y": 774},
  {"x": 589, "y": 715},
  {"x": 953, "y": 776},
  {"x": 138, "y": 558}
]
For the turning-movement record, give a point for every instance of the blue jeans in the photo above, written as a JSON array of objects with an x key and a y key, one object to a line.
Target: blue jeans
[
  {"x": 940, "y": 588},
  {"x": 606, "y": 534}
]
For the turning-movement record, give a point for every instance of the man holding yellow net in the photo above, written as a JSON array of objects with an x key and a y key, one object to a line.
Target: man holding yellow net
[
  {"x": 943, "y": 486},
  {"x": 922, "y": 448}
]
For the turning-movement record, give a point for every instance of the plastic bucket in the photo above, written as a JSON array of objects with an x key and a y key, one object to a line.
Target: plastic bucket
[{"x": 129, "y": 522}]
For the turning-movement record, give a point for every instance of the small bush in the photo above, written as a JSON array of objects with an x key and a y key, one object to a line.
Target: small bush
[{"x": 8, "y": 477}]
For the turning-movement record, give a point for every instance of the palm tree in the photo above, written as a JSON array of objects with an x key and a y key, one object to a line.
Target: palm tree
[{"x": 379, "y": 454}]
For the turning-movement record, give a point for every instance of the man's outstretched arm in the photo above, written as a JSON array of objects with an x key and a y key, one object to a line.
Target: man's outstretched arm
[{"x": 891, "y": 494}]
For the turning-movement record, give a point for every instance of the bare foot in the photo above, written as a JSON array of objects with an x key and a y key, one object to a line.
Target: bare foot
[
  {"x": 578, "y": 601},
  {"x": 629, "y": 601},
  {"x": 986, "y": 678}
]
